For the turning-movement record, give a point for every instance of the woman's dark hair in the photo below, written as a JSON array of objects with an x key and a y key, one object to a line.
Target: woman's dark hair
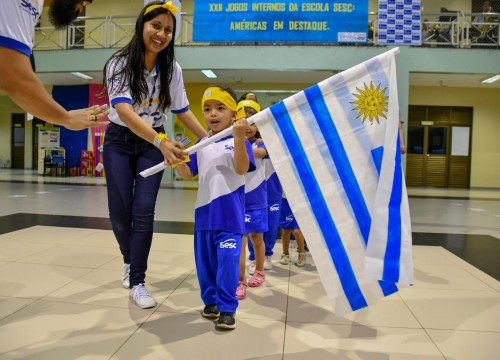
[{"x": 133, "y": 56}]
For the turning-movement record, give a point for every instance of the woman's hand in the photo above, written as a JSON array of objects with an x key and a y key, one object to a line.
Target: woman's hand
[
  {"x": 173, "y": 152},
  {"x": 87, "y": 118}
]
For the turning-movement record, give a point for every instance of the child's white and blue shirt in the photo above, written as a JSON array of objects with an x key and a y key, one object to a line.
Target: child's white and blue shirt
[
  {"x": 274, "y": 189},
  {"x": 148, "y": 108},
  {"x": 220, "y": 203},
  {"x": 255, "y": 183}
]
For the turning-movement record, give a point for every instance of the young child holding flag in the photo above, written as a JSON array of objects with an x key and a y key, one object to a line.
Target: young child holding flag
[
  {"x": 255, "y": 207},
  {"x": 220, "y": 205}
]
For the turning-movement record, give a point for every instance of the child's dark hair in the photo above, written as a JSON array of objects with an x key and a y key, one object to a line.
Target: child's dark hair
[
  {"x": 244, "y": 96},
  {"x": 133, "y": 56}
]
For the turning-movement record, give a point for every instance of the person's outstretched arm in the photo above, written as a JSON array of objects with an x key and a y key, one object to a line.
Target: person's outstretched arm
[
  {"x": 241, "y": 160},
  {"x": 22, "y": 85}
]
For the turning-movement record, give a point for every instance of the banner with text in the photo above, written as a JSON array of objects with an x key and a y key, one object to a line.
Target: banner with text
[
  {"x": 280, "y": 21},
  {"x": 399, "y": 22}
]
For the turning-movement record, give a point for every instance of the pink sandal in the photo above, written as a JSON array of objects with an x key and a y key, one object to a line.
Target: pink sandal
[
  {"x": 258, "y": 278},
  {"x": 241, "y": 290}
]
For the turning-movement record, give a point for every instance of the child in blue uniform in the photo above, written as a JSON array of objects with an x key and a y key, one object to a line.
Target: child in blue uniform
[
  {"x": 289, "y": 225},
  {"x": 220, "y": 205},
  {"x": 255, "y": 206},
  {"x": 274, "y": 199}
]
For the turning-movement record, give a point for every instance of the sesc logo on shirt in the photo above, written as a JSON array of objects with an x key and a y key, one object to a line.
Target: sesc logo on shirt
[
  {"x": 274, "y": 207},
  {"x": 28, "y": 7},
  {"x": 228, "y": 244}
]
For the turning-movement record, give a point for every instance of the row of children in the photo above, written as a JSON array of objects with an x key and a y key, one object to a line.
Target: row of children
[
  {"x": 239, "y": 193},
  {"x": 264, "y": 211}
]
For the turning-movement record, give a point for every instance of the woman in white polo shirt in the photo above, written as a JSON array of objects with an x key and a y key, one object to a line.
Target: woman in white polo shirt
[{"x": 143, "y": 81}]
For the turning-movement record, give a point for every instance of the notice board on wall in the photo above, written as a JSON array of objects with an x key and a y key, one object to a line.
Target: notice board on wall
[{"x": 280, "y": 21}]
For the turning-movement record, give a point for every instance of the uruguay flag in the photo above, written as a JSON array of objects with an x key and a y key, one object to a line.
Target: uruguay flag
[{"x": 335, "y": 148}]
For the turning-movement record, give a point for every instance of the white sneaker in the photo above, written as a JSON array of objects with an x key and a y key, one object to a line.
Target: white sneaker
[
  {"x": 251, "y": 267},
  {"x": 141, "y": 297},
  {"x": 268, "y": 263},
  {"x": 126, "y": 276}
]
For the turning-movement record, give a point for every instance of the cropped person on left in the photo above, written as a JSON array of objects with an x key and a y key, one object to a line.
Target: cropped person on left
[
  {"x": 17, "y": 67},
  {"x": 143, "y": 80}
]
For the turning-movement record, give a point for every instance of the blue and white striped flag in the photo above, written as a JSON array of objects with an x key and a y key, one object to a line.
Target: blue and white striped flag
[{"x": 335, "y": 147}]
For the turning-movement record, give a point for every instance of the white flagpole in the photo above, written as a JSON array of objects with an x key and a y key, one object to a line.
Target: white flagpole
[{"x": 226, "y": 132}]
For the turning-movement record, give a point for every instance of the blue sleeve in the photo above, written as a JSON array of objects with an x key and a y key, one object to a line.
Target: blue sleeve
[
  {"x": 120, "y": 100},
  {"x": 183, "y": 110},
  {"x": 193, "y": 162},
  {"x": 15, "y": 45},
  {"x": 251, "y": 167}
]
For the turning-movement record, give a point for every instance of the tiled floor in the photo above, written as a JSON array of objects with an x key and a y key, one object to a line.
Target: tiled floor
[{"x": 61, "y": 294}]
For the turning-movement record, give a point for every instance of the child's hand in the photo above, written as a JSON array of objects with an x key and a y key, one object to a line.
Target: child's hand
[{"x": 240, "y": 128}]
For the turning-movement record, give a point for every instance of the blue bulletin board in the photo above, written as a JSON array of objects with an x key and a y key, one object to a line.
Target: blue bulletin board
[
  {"x": 399, "y": 22},
  {"x": 280, "y": 21}
]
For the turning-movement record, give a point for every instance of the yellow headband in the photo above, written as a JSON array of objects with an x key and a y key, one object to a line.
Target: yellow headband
[
  {"x": 250, "y": 103},
  {"x": 216, "y": 93},
  {"x": 168, "y": 5}
]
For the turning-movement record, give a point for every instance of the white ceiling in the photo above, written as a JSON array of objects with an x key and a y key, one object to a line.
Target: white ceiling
[{"x": 229, "y": 77}]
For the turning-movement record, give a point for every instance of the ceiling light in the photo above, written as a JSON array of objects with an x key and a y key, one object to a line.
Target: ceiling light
[
  {"x": 491, "y": 79},
  {"x": 209, "y": 74},
  {"x": 79, "y": 74}
]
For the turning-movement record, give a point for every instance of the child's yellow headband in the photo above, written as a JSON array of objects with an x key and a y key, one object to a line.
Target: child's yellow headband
[
  {"x": 216, "y": 93},
  {"x": 250, "y": 103},
  {"x": 168, "y": 5}
]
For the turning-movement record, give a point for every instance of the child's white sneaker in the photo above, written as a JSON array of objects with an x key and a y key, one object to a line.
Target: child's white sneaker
[{"x": 268, "y": 263}]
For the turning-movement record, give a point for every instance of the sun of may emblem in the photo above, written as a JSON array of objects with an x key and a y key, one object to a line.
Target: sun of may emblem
[{"x": 372, "y": 103}]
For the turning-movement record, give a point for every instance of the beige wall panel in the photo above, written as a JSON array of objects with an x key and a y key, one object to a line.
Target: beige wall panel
[
  {"x": 485, "y": 160},
  {"x": 115, "y": 8}
]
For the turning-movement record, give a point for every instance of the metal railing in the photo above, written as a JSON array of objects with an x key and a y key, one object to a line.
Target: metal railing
[
  {"x": 88, "y": 33},
  {"x": 463, "y": 30},
  {"x": 450, "y": 29}
]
